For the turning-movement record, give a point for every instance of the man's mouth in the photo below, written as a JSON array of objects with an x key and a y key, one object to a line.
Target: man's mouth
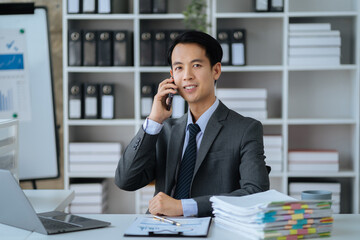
[{"x": 190, "y": 87}]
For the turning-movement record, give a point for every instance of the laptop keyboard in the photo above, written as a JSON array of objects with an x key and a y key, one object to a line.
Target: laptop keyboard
[{"x": 51, "y": 225}]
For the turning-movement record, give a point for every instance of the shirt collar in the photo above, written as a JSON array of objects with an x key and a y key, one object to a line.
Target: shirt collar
[{"x": 204, "y": 118}]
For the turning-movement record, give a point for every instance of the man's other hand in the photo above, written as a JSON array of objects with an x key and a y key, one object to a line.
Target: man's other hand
[{"x": 162, "y": 204}]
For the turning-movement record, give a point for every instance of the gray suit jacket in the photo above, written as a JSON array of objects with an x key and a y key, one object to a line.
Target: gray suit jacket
[{"x": 230, "y": 160}]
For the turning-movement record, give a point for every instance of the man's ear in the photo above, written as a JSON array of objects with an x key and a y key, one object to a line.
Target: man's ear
[
  {"x": 216, "y": 71},
  {"x": 171, "y": 73}
]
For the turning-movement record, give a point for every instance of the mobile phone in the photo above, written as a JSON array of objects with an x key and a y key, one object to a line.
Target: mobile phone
[{"x": 170, "y": 97}]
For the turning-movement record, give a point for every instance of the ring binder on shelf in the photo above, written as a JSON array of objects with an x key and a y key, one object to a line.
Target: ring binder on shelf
[
  {"x": 160, "y": 48},
  {"x": 223, "y": 37},
  {"x": 238, "y": 55},
  {"x": 89, "y": 48},
  {"x": 146, "y": 49},
  {"x": 74, "y": 48},
  {"x": 122, "y": 48},
  {"x": 88, "y": 6},
  {"x": 145, "y": 6},
  {"x": 91, "y": 100},
  {"x": 104, "y": 48},
  {"x": 75, "y": 98},
  {"x": 107, "y": 98},
  {"x": 159, "y": 6},
  {"x": 147, "y": 94}
]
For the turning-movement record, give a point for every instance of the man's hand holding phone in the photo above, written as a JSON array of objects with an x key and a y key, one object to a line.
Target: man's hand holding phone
[{"x": 161, "y": 108}]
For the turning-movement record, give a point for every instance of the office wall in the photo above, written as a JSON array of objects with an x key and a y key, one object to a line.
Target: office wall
[{"x": 55, "y": 27}]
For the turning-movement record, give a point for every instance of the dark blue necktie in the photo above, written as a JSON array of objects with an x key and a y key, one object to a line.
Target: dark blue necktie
[{"x": 187, "y": 165}]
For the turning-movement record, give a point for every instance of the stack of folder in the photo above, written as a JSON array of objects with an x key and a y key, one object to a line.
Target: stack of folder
[
  {"x": 249, "y": 102},
  {"x": 94, "y": 157},
  {"x": 313, "y": 44},
  {"x": 90, "y": 197},
  {"x": 273, "y": 152},
  {"x": 272, "y": 215},
  {"x": 314, "y": 160}
]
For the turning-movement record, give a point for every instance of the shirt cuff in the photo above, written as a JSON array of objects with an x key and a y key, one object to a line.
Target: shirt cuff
[
  {"x": 190, "y": 208},
  {"x": 151, "y": 127}
]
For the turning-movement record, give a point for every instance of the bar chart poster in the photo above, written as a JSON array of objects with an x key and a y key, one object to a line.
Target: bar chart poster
[{"x": 15, "y": 99}]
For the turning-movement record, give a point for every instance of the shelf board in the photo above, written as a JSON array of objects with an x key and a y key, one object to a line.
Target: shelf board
[
  {"x": 324, "y": 14},
  {"x": 96, "y": 69},
  {"x": 349, "y": 174},
  {"x": 272, "y": 121},
  {"x": 92, "y": 174},
  {"x": 321, "y": 68},
  {"x": 250, "y": 15},
  {"x": 262, "y": 68},
  {"x": 100, "y": 16},
  {"x": 321, "y": 121},
  {"x": 161, "y": 16},
  {"x": 101, "y": 122},
  {"x": 155, "y": 69}
]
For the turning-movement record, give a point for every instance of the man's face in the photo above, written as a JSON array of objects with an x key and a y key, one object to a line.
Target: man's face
[{"x": 194, "y": 75}]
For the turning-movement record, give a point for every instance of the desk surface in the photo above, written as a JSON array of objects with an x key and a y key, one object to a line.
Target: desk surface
[
  {"x": 46, "y": 200},
  {"x": 346, "y": 227}
]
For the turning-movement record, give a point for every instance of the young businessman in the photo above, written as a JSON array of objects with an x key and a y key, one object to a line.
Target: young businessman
[{"x": 222, "y": 154}]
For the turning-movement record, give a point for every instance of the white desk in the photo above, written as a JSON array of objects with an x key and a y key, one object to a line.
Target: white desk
[
  {"x": 49, "y": 199},
  {"x": 346, "y": 227}
]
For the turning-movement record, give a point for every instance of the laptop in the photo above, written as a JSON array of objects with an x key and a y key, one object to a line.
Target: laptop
[{"x": 16, "y": 211}]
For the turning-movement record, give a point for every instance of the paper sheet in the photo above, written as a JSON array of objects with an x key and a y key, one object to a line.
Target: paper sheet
[{"x": 189, "y": 226}]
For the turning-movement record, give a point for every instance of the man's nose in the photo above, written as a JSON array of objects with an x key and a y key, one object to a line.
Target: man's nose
[{"x": 188, "y": 74}]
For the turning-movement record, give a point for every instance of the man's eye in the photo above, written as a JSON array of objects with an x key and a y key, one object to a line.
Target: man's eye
[{"x": 197, "y": 65}]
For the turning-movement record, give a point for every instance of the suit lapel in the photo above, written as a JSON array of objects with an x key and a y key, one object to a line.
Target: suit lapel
[
  {"x": 176, "y": 143},
  {"x": 212, "y": 130}
]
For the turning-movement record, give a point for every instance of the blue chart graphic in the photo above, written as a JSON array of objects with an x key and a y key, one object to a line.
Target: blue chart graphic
[
  {"x": 6, "y": 101},
  {"x": 11, "y": 61}
]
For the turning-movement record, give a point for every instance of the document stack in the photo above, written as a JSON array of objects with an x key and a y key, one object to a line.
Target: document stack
[
  {"x": 249, "y": 102},
  {"x": 313, "y": 44},
  {"x": 272, "y": 215},
  {"x": 314, "y": 160},
  {"x": 295, "y": 189},
  {"x": 145, "y": 195},
  {"x": 89, "y": 197},
  {"x": 273, "y": 152},
  {"x": 94, "y": 157}
]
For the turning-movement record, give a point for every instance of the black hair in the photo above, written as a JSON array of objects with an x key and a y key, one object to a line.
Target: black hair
[{"x": 212, "y": 47}]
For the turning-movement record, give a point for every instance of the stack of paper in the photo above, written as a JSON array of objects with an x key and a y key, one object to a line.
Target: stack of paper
[
  {"x": 313, "y": 160},
  {"x": 273, "y": 215},
  {"x": 145, "y": 195},
  {"x": 273, "y": 152},
  {"x": 295, "y": 189},
  {"x": 250, "y": 102},
  {"x": 89, "y": 197},
  {"x": 313, "y": 44},
  {"x": 94, "y": 156}
]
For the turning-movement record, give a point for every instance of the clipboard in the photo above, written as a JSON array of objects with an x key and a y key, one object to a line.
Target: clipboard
[{"x": 146, "y": 226}]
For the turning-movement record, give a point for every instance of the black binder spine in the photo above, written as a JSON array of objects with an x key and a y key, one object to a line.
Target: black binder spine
[
  {"x": 91, "y": 102},
  {"x": 104, "y": 48},
  {"x": 238, "y": 47},
  {"x": 223, "y": 37},
  {"x": 75, "y": 51},
  {"x": 123, "y": 49},
  {"x": 160, "y": 48},
  {"x": 261, "y": 5},
  {"x": 146, "y": 48},
  {"x": 107, "y": 99},
  {"x": 89, "y": 48},
  {"x": 160, "y": 6},
  {"x": 75, "y": 101},
  {"x": 145, "y": 6}
]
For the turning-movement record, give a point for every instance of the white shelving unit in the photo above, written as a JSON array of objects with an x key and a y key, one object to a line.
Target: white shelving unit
[{"x": 310, "y": 106}]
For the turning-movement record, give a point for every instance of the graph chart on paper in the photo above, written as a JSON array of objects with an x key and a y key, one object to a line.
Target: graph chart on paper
[{"x": 14, "y": 79}]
